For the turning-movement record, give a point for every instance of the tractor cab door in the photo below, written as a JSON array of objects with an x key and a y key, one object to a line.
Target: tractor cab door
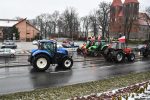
[
  {"x": 50, "y": 47},
  {"x": 122, "y": 45}
]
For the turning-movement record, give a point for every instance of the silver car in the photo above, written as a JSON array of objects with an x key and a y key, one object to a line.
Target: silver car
[{"x": 7, "y": 52}]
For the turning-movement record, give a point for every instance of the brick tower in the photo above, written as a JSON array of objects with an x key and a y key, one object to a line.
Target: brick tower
[
  {"x": 131, "y": 11},
  {"x": 120, "y": 13},
  {"x": 116, "y": 16}
]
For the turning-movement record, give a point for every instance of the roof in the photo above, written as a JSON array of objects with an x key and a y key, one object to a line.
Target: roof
[
  {"x": 130, "y": 1},
  {"x": 143, "y": 22},
  {"x": 7, "y": 22},
  {"x": 25, "y": 19},
  {"x": 32, "y": 26},
  {"x": 143, "y": 19},
  {"x": 117, "y": 3}
]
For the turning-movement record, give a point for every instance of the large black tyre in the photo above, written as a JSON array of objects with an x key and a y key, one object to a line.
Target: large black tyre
[
  {"x": 79, "y": 51},
  {"x": 108, "y": 56},
  {"x": 66, "y": 63},
  {"x": 131, "y": 57},
  {"x": 104, "y": 49},
  {"x": 119, "y": 56},
  {"x": 95, "y": 54},
  {"x": 145, "y": 54},
  {"x": 41, "y": 62}
]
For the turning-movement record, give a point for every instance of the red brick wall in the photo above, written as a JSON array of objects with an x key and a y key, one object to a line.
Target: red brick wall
[{"x": 26, "y": 31}]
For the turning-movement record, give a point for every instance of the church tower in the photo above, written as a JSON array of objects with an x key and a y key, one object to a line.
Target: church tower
[
  {"x": 131, "y": 12},
  {"x": 131, "y": 9},
  {"x": 116, "y": 15},
  {"x": 116, "y": 7}
]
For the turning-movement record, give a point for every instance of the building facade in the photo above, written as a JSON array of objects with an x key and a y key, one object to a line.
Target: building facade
[
  {"x": 125, "y": 18},
  {"x": 27, "y": 32}
]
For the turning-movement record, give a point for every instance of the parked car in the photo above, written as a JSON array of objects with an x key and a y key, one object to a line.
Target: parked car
[
  {"x": 69, "y": 44},
  {"x": 9, "y": 44},
  {"x": 7, "y": 52}
]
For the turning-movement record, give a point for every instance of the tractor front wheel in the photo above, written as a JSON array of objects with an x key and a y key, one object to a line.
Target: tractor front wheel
[
  {"x": 131, "y": 57},
  {"x": 41, "y": 62},
  {"x": 67, "y": 63},
  {"x": 145, "y": 54},
  {"x": 119, "y": 57}
]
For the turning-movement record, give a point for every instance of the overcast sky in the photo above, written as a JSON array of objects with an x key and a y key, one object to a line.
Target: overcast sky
[{"x": 31, "y": 8}]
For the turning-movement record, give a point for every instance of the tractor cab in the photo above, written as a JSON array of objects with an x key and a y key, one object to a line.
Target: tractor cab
[
  {"x": 120, "y": 46},
  {"x": 48, "y": 46},
  {"x": 118, "y": 51}
]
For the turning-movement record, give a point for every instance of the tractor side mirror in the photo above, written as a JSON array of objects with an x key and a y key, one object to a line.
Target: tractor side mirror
[{"x": 35, "y": 42}]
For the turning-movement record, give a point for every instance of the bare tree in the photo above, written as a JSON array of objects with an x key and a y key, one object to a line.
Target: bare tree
[
  {"x": 148, "y": 10},
  {"x": 60, "y": 26},
  {"x": 148, "y": 16},
  {"x": 130, "y": 18},
  {"x": 128, "y": 23},
  {"x": 45, "y": 23},
  {"x": 55, "y": 17},
  {"x": 147, "y": 19},
  {"x": 86, "y": 25},
  {"x": 71, "y": 22},
  {"x": 103, "y": 17},
  {"x": 94, "y": 23}
]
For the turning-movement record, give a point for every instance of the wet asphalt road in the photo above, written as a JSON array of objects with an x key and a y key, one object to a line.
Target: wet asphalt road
[{"x": 25, "y": 78}]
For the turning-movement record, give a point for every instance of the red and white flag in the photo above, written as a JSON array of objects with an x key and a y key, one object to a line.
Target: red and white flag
[{"x": 122, "y": 39}]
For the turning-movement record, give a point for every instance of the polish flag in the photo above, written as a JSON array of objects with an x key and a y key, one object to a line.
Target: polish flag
[{"x": 122, "y": 39}]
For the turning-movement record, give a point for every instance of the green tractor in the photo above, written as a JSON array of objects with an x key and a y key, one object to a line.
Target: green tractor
[{"x": 98, "y": 48}]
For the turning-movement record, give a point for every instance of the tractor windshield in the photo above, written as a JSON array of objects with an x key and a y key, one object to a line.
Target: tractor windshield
[
  {"x": 48, "y": 46},
  {"x": 114, "y": 45},
  {"x": 118, "y": 45}
]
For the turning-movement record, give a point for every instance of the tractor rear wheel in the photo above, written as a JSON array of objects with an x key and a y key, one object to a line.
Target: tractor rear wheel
[
  {"x": 104, "y": 49},
  {"x": 79, "y": 51},
  {"x": 108, "y": 56},
  {"x": 131, "y": 57},
  {"x": 119, "y": 56},
  {"x": 41, "y": 62}
]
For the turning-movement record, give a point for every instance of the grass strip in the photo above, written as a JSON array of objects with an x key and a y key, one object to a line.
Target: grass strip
[{"x": 65, "y": 92}]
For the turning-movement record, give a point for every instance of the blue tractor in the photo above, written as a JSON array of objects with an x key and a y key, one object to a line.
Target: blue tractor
[{"x": 48, "y": 53}]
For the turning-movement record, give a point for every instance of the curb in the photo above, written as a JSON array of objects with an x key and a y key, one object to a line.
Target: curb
[{"x": 3, "y": 66}]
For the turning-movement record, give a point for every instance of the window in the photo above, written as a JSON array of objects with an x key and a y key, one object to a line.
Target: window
[{"x": 49, "y": 46}]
